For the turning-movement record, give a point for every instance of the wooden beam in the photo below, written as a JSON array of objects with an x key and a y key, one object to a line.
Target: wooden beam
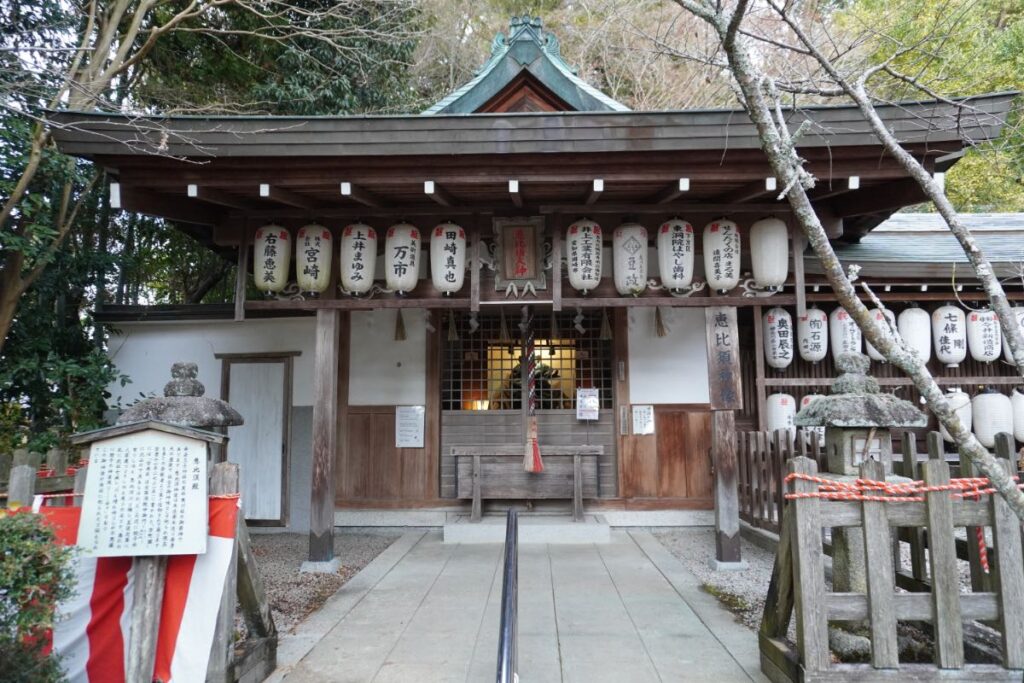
[
  {"x": 325, "y": 435},
  {"x": 888, "y": 197},
  {"x": 753, "y": 190},
  {"x": 287, "y": 197},
  {"x": 475, "y": 264},
  {"x": 438, "y": 193},
  {"x": 242, "y": 276},
  {"x": 361, "y": 195},
  {"x": 556, "y": 262},
  {"x": 672, "y": 192},
  {"x": 798, "y": 242},
  {"x": 138, "y": 200},
  {"x": 513, "y": 190},
  {"x": 727, "y": 501},
  {"x": 596, "y": 188},
  {"x": 647, "y": 208},
  {"x": 219, "y": 197}
]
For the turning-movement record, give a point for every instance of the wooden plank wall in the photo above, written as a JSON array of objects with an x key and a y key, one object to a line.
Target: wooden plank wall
[{"x": 557, "y": 427}]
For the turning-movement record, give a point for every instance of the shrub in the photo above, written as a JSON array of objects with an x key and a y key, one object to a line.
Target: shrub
[{"x": 35, "y": 574}]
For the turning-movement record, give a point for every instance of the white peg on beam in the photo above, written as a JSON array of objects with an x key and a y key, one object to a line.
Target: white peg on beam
[
  {"x": 435, "y": 192},
  {"x": 771, "y": 184},
  {"x": 672, "y": 192},
  {"x": 513, "y": 190},
  {"x": 595, "y": 191},
  {"x": 853, "y": 182},
  {"x": 115, "y": 195}
]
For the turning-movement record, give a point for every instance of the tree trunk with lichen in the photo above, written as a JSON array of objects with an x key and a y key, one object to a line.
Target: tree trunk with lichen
[{"x": 754, "y": 88}]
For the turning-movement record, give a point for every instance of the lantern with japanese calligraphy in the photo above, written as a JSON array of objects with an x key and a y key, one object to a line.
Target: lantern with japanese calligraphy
[
  {"x": 629, "y": 252},
  {"x": 358, "y": 258},
  {"x": 992, "y": 413},
  {"x": 448, "y": 258},
  {"x": 984, "y": 338},
  {"x": 272, "y": 255},
  {"x": 778, "y": 338},
  {"x": 584, "y": 250},
  {"x": 960, "y": 403},
  {"x": 812, "y": 335},
  {"x": 402, "y": 258},
  {"x": 1017, "y": 404},
  {"x": 675, "y": 254},
  {"x": 1018, "y": 317},
  {"x": 769, "y": 252},
  {"x": 313, "y": 255},
  {"x": 844, "y": 335},
  {"x": 949, "y": 332},
  {"x": 780, "y": 409},
  {"x": 915, "y": 327},
  {"x": 885, "y": 321},
  {"x": 721, "y": 246}
]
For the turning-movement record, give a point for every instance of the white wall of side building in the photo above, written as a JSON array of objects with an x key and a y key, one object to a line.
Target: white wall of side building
[{"x": 669, "y": 369}]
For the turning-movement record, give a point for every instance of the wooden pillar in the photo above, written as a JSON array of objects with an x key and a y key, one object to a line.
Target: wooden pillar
[
  {"x": 325, "y": 435},
  {"x": 726, "y": 396}
]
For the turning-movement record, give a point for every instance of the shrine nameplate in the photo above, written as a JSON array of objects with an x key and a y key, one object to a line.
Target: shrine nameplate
[
  {"x": 724, "y": 377},
  {"x": 146, "y": 494}
]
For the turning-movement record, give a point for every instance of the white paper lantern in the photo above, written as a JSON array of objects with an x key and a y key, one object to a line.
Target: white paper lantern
[
  {"x": 812, "y": 335},
  {"x": 1017, "y": 404},
  {"x": 629, "y": 252},
  {"x": 272, "y": 255},
  {"x": 780, "y": 411},
  {"x": 584, "y": 249},
  {"x": 778, "y": 338},
  {"x": 844, "y": 335},
  {"x": 915, "y": 327},
  {"x": 313, "y": 255},
  {"x": 949, "y": 332},
  {"x": 358, "y": 258},
  {"x": 676, "y": 253},
  {"x": 992, "y": 413},
  {"x": 883, "y": 320},
  {"x": 984, "y": 338},
  {"x": 1018, "y": 316},
  {"x": 769, "y": 252},
  {"x": 448, "y": 258},
  {"x": 402, "y": 258},
  {"x": 722, "y": 254},
  {"x": 960, "y": 402}
]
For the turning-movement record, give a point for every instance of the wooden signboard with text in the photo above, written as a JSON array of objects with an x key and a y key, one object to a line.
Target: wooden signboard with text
[{"x": 726, "y": 387}]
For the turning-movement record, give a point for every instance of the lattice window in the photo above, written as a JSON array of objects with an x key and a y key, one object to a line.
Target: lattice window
[{"x": 482, "y": 368}]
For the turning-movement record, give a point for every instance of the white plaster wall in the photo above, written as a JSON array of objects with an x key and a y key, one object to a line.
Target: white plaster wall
[
  {"x": 384, "y": 371},
  {"x": 145, "y": 351},
  {"x": 670, "y": 369}
]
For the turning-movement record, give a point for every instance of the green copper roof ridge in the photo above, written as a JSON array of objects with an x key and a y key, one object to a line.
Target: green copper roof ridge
[{"x": 527, "y": 30}]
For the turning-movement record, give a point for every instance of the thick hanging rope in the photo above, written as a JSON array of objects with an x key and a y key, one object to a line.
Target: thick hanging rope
[
  {"x": 531, "y": 458},
  {"x": 969, "y": 488}
]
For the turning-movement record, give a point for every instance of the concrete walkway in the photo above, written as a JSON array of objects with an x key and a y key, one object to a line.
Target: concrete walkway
[{"x": 426, "y": 611}]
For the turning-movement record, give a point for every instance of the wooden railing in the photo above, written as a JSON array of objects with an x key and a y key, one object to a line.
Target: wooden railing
[
  {"x": 798, "y": 585},
  {"x": 762, "y": 458}
]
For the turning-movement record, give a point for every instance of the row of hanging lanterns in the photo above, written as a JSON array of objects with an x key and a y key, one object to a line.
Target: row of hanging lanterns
[
  {"x": 358, "y": 257},
  {"x": 676, "y": 245},
  {"x": 953, "y": 331}
]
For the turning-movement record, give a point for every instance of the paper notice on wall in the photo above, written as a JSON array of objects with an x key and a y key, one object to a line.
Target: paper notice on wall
[
  {"x": 145, "y": 495},
  {"x": 643, "y": 420},
  {"x": 409, "y": 422},
  {"x": 588, "y": 404}
]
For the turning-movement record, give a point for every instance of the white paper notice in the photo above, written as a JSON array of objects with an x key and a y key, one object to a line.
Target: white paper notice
[
  {"x": 145, "y": 495},
  {"x": 643, "y": 419},
  {"x": 588, "y": 404},
  {"x": 409, "y": 426}
]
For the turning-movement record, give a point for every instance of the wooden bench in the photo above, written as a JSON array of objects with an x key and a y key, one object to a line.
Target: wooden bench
[{"x": 496, "y": 472}]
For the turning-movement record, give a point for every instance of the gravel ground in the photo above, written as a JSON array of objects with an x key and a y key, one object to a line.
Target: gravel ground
[{"x": 294, "y": 595}]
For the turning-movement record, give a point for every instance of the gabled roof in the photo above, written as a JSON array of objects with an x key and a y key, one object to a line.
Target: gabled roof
[{"x": 530, "y": 49}]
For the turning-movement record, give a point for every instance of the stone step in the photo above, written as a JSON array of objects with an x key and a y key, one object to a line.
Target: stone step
[{"x": 533, "y": 528}]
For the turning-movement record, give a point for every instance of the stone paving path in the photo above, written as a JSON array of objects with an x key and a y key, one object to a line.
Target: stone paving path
[{"x": 426, "y": 611}]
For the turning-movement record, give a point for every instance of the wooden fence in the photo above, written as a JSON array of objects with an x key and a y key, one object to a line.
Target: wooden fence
[
  {"x": 762, "y": 457},
  {"x": 248, "y": 661},
  {"x": 798, "y": 585}
]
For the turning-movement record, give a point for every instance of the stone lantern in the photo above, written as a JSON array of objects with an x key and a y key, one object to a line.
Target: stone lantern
[
  {"x": 858, "y": 419},
  {"x": 183, "y": 404}
]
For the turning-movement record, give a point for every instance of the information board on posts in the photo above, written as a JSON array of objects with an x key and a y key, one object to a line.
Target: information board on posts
[{"x": 146, "y": 494}]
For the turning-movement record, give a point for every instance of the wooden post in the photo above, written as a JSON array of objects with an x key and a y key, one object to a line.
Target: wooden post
[
  {"x": 727, "y": 510},
  {"x": 1008, "y": 578},
  {"x": 556, "y": 263},
  {"x": 918, "y": 563},
  {"x": 150, "y": 573},
  {"x": 808, "y": 572},
  {"x": 242, "y": 276},
  {"x": 881, "y": 589},
  {"x": 477, "y": 503},
  {"x": 577, "y": 489},
  {"x": 946, "y": 617},
  {"x": 325, "y": 435},
  {"x": 981, "y": 581},
  {"x": 21, "y": 486},
  {"x": 224, "y": 481}
]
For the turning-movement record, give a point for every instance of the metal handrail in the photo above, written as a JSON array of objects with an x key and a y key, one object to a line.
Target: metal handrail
[{"x": 507, "y": 633}]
